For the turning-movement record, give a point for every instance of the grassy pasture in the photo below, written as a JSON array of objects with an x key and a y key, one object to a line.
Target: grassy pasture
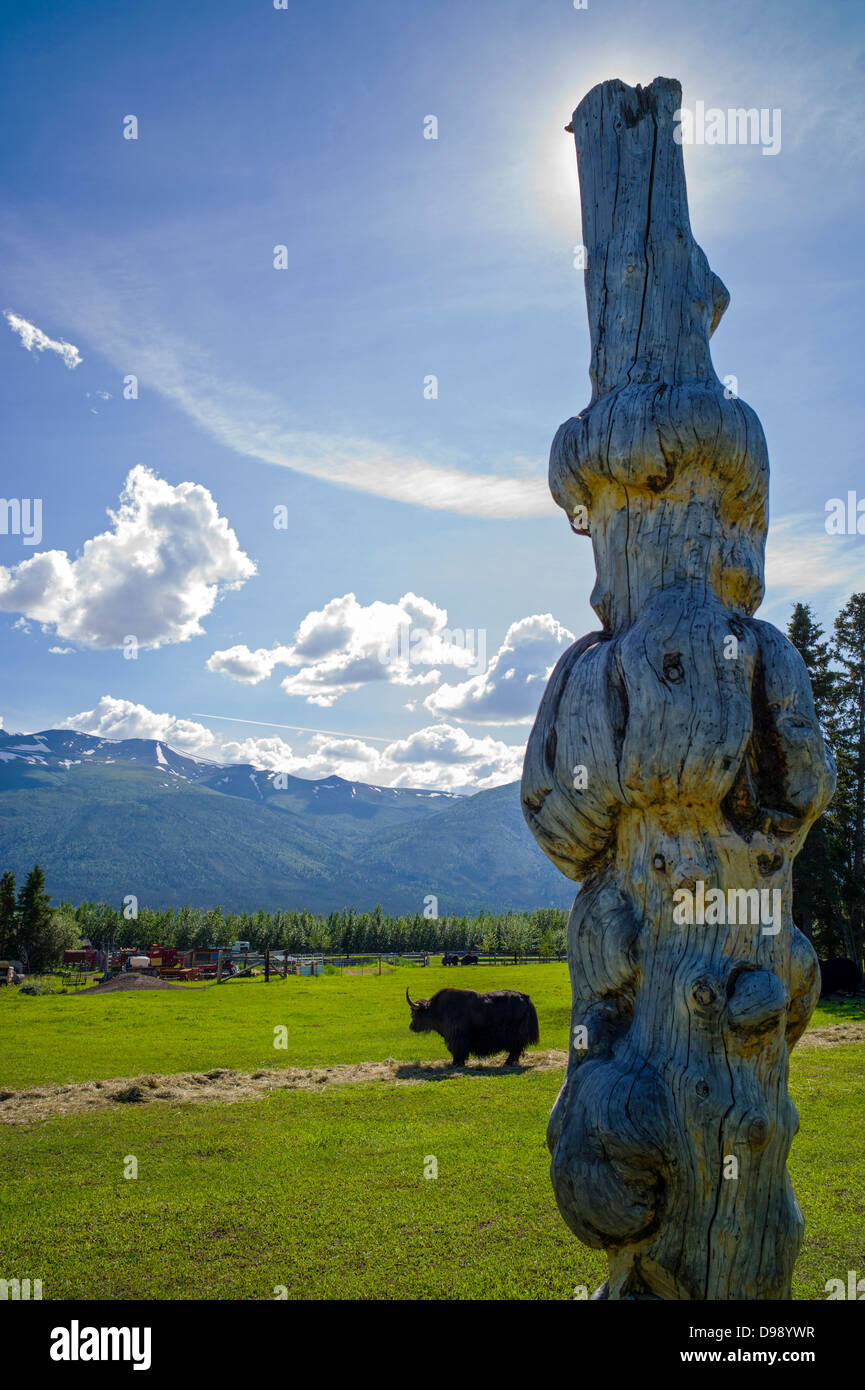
[
  {"x": 330, "y": 1019},
  {"x": 323, "y": 1192}
]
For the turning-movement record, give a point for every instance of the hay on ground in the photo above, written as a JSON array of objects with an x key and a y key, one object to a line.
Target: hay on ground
[{"x": 223, "y": 1085}]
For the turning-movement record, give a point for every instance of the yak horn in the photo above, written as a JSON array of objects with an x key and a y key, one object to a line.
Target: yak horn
[{"x": 408, "y": 1001}]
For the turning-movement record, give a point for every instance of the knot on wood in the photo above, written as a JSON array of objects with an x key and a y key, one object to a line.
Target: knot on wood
[
  {"x": 674, "y": 671},
  {"x": 687, "y": 874},
  {"x": 707, "y": 993},
  {"x": 756, "y": 999},
  {"x": 769, "y": 864},
  {"x": 757, "y": 1129}
]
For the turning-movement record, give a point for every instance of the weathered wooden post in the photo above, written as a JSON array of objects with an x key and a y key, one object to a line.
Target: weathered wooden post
[{"x": 675, "y": 766}]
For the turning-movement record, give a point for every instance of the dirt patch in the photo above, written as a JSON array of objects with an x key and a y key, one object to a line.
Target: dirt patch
[
  {"x": 222, "y": 1085},
  {"x": 128, "y": 980},
  {"x": 832, "y": 1034}
]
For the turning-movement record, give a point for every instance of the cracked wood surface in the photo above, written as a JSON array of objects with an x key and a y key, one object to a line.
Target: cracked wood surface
[{"x": 703, "y": 764}]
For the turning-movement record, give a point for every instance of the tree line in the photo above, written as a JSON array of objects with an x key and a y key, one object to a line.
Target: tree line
[
  {"x": 828, "y": 887},
  {"x": 36, "y": 934},
  {"x": 31, "y": 930}
]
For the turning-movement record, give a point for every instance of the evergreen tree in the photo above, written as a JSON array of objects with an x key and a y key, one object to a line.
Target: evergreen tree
[
  {"x": 807, "y": 637},
  {"x": 34, "y": 917},
  {"x": 848, "y": 727},
  {"x": 8, "y": 917},
  {"x": 818, "y": 872}
]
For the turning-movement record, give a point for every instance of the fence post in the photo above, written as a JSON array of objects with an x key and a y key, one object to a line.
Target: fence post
[{"x": 267, "y": 967}]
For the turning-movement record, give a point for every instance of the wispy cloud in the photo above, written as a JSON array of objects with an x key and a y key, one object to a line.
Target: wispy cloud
[
  {"x": 34, "y": 340},
  {"x": 800, "y": 552},
  {"x": 258, "y": 425},
  {"x": 804, "y": 563},
  {"x": 253, "y": 424}
]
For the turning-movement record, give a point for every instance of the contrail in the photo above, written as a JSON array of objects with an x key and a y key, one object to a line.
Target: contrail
[{"x": 296, "y": 728}]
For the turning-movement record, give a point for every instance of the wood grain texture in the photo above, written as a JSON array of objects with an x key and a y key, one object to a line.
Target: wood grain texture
[{"x": 704, "y": 765}]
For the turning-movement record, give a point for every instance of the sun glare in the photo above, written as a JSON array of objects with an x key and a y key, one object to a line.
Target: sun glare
[{"x": 556, "y": 186}]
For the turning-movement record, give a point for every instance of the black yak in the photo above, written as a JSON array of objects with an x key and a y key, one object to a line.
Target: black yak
[
  {"x": 450, "y": 958},
  {"x": 841, "y": 975},
  {"x": 480, "y": 1024},
  {"x": 469, "y": 958}
]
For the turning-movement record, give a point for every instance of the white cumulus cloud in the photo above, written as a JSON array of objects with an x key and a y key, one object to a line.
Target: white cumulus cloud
[
  {"x": 510, "y": 690},
  {"x": 153, "y": 575},
  {"x": 113, "y": 718},
  {"x": 33, "y": 339},
  {"x": 248, "y": 667},
  {"x": 445, "y": 756},
  {"x": 347, "y": 645},
  {"x": 439, "y": 758}
]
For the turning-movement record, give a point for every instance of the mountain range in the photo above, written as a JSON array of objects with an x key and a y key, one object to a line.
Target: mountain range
[{"x": 110, "y": 817}]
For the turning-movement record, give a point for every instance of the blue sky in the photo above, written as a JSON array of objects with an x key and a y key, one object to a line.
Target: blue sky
[{"x": 303, "y": 388}]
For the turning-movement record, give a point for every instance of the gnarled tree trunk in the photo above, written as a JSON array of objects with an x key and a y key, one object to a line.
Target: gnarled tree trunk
[{"x": 675, "y": 752}]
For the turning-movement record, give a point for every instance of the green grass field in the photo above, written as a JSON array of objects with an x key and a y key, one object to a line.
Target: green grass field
[
  {"x": 331, "y": 1018},
  {"x": 322, "y": 1193}
]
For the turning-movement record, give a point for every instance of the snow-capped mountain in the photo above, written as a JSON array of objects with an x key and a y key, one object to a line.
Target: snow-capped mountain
[{"x": 109, "y": 817}]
